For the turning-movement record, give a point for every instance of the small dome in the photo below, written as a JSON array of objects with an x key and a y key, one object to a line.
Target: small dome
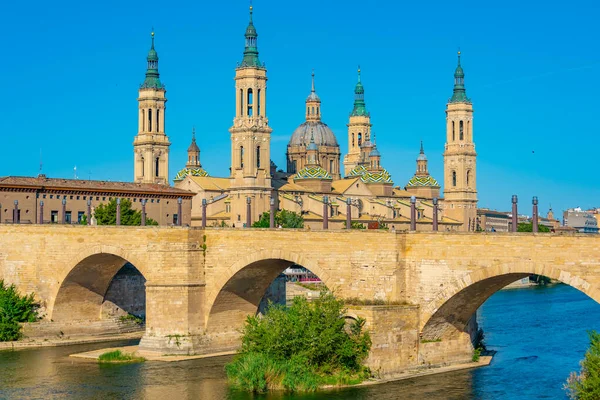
[
  {"x": 323, "y": 136},
  {"x": 423, "y": 181},
  {"x": 313, "y": 97},
  {"x": 314, "y": 172},
  {"x": 422, "y": 157},
  {"x": 189, "y": 171},
  {"x": 193, "y": 146},
  {"x": 374, "y": 152}
]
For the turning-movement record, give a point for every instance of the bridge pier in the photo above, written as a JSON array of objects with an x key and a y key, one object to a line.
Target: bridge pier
[{"x": 174, "y": 318}]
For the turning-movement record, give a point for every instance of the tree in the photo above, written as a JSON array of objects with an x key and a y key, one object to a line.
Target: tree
[
  {"x": 528, "y": 227},
  {"x": 357, "y": 225},
  {"x": 586, "y": 385},
  {"x": 285, "y": 218},
  {"x": 14, "y": 309},
  {"x": 106, "y": 214}
]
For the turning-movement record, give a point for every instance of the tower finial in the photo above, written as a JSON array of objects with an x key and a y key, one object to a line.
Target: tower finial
[
  {"x": 458, "y": 56},
  {"x": 422, "y": 152},
  {"x": 359, "y": 73},
  {"x": 152, "y": 34},
  {"x": 193, "y": 133},
  {"x": 250, "y": 11},
  {"x": 313, "y": 81}
]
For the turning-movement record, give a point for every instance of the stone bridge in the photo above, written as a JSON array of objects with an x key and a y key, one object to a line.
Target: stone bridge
[{"x": 201, "y": 284}]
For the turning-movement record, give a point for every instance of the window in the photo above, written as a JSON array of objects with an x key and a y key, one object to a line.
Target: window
[
  {"x": 257, "y": 156},
  {"x": 175, "y": 219},
  {"x": 241, "y": 101},
  {"x": 51, "y": 196},
  {"x": 313, "y": 110},
  {"x": 359, "y": 138},
  {"x": 468, "y": 129},
  {"x": 44, "y": 196},
  {"x": 54, "y": 216},
  {"x": 294, "y": 166},
  {"x": 143, "y": 128},
  {"x": 318, "y": 110},
  {"x": 241, "y": 156},
  {"x": 258, "y": 102},
  {"x": 97, "y": 198},
  {"x": 353, "y": 139},
  {"x": 71, "y": 198},
  {"x": 250, "y": 102},
  {"x": 156, "y": 167},
  {"x": 453, "y": 136},
  {"x": 460, "y": 130},
  {"x": 143, "y": 167},
  {"x": 330, "y": 166},
  {"x": 157, "y": 120},
  {"x": 468, "y": 177},
  {"x": 80, "y": 215},
  {"x": 453, "y": 178},
  {"x": 150, "y": 120},
  {"x": 103, "y": 198}
]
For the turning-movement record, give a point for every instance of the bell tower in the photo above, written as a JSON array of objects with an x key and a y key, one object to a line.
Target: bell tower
[
  {"x": 151, "y": 145},
  {"x": 359, "y": 128},
  {"x": 460, "y": 188},
  {"x": 250, "y": 136}
]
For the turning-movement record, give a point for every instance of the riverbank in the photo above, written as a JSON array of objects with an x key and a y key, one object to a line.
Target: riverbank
[{"x": 55, "y": 342}]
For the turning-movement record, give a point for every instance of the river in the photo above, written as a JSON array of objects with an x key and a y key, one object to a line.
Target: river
[{"x": 539, "y": 335}]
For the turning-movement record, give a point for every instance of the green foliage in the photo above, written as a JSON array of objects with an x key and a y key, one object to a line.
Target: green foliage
[
  {"x": 84, "y": 220},
  {"x": 357, "y": 225},
  {"x": 132, "y": 318},
  {"x": 285, "y": 218},
  {"x": 14, "y": 309},
  {"x": 476, "y": 354},
  {"x": 586, "y": 385},
  {"x": 528, "y": 227},
  {"x": 431, "y": 340},
  {"x": 300, "y": 347},
  {"x": 357, "y": 301},
  {"x": 117, "y": 356},
  {"x": 106, "y": 214}
]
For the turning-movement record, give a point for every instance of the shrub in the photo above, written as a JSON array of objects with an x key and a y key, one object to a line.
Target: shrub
[
  {"x": 586, "y": 385},
  {"x": 117, "y": 356},
  {"x": 300, "y": 347},
  {"x": 15, "y": 309}
]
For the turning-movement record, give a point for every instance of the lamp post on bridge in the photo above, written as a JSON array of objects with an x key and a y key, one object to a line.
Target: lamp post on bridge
[
  {"x": 348, "y": 213},
  {"x": 248, "y": 211},
  {"x": 435, "y": 214},
  {"x": 118, "y": 211},
  {"x": 64, "y": 211},
  {"x": 41, "y": 221},
  {"x": 534, "y": 219},
  {"x": 16, "y": 213},
  {"x": 413, "y": 213},
  {"x": 203, "y": 213},
  {"x": 325, "y": 212},
  {"x": 179, "y": 216},
  {"x": 89, "y": 210},
  {"x": 515, "y": 218},
  {"x": 144, "y": 212},
  {"x": 272, "y": 213}
]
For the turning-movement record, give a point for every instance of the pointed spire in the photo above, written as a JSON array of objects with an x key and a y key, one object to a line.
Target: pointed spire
[
  {"x": 152, "y": 77},
  {"x": 422, "y": 152},
  {"x": 312, "y": 145},
  {"x": 360, "y": 107},
  {"x": 313, "y": 81},
  {"x": 251, "y": 49},
  {"x": 193, "y": 146},
  {"x": 459, "y": 95}
]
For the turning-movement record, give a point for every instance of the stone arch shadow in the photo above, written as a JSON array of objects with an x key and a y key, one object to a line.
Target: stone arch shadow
[
  {"x": 450, "y": 311},
  {"x": 83, "y": 283},
  {"x": 240, "y": 290}
]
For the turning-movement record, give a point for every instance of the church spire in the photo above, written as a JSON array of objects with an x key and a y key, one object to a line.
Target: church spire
[
  {"x": 313, "y": 103},
  {"x": 152, "y": 77},
  {"x": 459, "y": 95},
  {"x": 251, "y": 49},
  {"x": 360, "y": 107},
  {"x": 193, "y": 152}
]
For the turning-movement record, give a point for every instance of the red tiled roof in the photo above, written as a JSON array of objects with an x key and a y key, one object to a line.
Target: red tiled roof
[{"x": 43, "y": 183}]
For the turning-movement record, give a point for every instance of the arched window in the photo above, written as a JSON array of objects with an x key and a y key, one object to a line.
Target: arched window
[
  {"x": 469, "y": 130},
  {"x": 157, "y": 120},
  {"x": 468, "y": 178},
  {"x": 241, "y": 102},
  {"x": 353, "y": 139},
  {"x": 250, "y": 102},
  {"x": 294, "y": 164},
  {"x": 156, "y": 167},
  {"x": 149, "y": 120},
  {"x": 257, "y": 156},
  {"x": 460, "y": 130},
  {"x": 242, "y": 156},
  {"x": 359, "y": 138},
  {"x": 143, "y": 166},
  {"x": 258, "y": 102},
  {"x": 318, "y": 110},
  {"x": 453, "y": 178},
  {"x": 331, "y": 166},
  {"x": 143, "y": 127},
  {"x": 453, "y": 136}
]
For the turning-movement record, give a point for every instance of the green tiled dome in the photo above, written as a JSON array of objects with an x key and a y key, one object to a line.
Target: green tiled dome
[
  {"x": 190, "y": 171},
  {"x": 314, "y": 172},
  {"x": 423, "y": 181}
]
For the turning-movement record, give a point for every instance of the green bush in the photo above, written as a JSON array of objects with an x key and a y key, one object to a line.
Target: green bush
[
  {"x": 15, "y": 309},
  {"x": 117, "y": 356},
  {"x": 106, "y": 214},
  {"x": 586, "y": 385},
  {"x": 285, "y": 218},
  {"x": 300, "y": 347}
]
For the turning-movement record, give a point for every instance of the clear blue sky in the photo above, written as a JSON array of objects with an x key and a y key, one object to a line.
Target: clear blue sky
[{"x": 71, "y": 69}]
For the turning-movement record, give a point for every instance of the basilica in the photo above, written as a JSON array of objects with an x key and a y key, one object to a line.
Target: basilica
[{"x": 316, "y": 181}]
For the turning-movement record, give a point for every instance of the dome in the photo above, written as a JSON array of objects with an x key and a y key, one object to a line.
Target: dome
[
  {"x": 370, "y": 177},
  {"x": 313, "y": 172},
  {"x": 423, "y": 181},
  {"x": 313, "y": 97},
  {"x": 374, "y": 152},
  {"x": 323, "y": 136},
  {"x": 422, "y": 157},
  {"x": 189, "y": 171},
  {"x": 193, "y": 147}
]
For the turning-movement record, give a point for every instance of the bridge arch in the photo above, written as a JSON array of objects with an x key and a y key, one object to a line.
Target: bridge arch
[
  {"x": 239, "y": 290},
  {"x": 83, "y": 282},
  {"x": 451, "y": 309}
]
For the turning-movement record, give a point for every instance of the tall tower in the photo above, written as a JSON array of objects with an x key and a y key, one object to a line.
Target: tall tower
[
  {"x": 359, "y": 128},
  {"x": 460, "y": 189},
  {"x": 151, "y": 145},
  {"x": 193, "y": 153},
  {"x": 250, "y": 135}
]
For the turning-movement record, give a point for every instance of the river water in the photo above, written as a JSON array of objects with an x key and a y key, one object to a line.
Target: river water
[{"x": 539, "y": 335}]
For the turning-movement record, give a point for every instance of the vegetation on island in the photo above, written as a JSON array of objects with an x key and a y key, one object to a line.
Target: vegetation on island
[
  {"x": 106, "y": 214},
  {"x": 586, "y": 384},
  {"x": 14, "y": 309},
  {"x": 283, "y": 219},
  {"x": 117, "y": 356},
  {"x": 528, "y": 227},
  {"x": 301, "y": 347}
]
